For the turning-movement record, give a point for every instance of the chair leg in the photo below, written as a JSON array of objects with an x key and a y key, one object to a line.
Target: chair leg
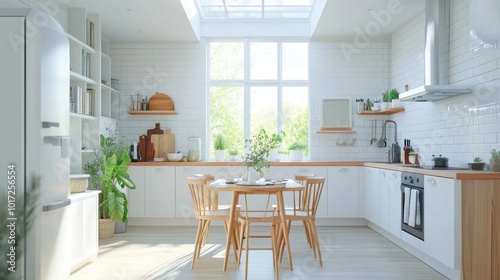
[
  {"x": 241, "y": 238},
  {"x": 317, "y": 250},
  {"x": 247, "y": 245},
  {"x": 308, "y": 233},
  {"x": 196, "y": 242}
]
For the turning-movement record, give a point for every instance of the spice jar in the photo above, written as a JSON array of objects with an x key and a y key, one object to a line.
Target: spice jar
[{"x": 194, "y": 149}]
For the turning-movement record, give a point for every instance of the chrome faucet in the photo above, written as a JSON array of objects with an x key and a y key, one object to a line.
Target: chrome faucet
[{"x": 395, "y": 150}]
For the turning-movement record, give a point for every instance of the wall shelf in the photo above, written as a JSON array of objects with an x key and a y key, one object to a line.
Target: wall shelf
[
  {"x": 153, "y": 112},
  {"x": 383, "y": 112},
  {"x": 335, "y": 130}
]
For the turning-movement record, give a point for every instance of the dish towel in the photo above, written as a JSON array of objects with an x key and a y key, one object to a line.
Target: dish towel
[
  {"x": 413, "y": 207},
  {"x": 406, "y": 205},
  {"x": 417, "y": 215}
]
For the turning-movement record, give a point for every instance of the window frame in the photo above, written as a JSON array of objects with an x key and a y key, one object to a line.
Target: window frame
[{"x": 247, "y": 83}]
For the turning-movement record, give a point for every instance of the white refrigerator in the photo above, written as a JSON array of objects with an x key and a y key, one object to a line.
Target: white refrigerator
[{"x": 34, "y": 79}]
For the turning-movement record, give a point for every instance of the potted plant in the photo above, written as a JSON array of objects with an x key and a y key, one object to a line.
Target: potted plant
[
  {"x": 476, "y": 164},
  {"x": 258, "y": 148},
  {"x": 112, "y": 179},
  {"x": 394, "y": 98},
  {"x": 495, "y": 160},
  {"x": 220, "y": 147},
  {"x": 297, "y": 151},
  {"x": 233, "y": 154},
  {"x": 385, "y": 100}
]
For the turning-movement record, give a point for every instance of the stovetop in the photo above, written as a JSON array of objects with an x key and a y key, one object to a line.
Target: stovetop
[{"x": 428, "y": 167}]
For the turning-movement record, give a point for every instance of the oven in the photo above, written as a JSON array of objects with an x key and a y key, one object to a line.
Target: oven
[{"x": 412, "y": 204}]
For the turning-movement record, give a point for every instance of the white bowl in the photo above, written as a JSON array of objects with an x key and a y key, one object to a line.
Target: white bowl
[
  {"x": 174, "y": 156},
  {"x": 158, "y": 159}
]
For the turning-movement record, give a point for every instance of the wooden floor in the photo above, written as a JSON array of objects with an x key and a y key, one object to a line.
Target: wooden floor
[{"x": 165, "y": 253}]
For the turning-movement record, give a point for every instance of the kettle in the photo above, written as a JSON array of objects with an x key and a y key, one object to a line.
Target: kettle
[{"x": 395, "y": 153}]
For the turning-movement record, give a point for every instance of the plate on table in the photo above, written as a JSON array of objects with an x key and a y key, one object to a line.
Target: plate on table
[{"x": 260, "y": 183}]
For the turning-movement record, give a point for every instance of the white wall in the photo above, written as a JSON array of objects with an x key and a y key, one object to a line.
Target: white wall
[
  {"x": 460, "y": 127},
  {"x": 174, "y": 69}
]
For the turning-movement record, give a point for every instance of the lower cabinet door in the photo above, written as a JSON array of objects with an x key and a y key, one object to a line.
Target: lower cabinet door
[
  {"x": 136, "y": 196},
  {"x": 343, "y": 192},
  {"x": 159, "y": 192}
]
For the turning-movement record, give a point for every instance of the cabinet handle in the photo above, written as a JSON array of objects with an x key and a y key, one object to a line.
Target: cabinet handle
[
  {"x": 382, "y": 173},
  {"x": 431, "y": 180},
  {"x": 393, "y": 175},
  {"x": 159, "y": 169},
  {"x": 188, "y": 170},
  {"x": 303, "y": 170},
  {"x": 343, "y": 170}
]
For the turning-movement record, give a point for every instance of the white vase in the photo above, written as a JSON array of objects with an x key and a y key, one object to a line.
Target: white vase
[
  {"x": 396, "y": 103},
  {"x": 296, "y": 155},
  {"x": 220, "y": 155},
  {"x": 252, "y": 175},
  {"x": 384, "y": 105},
  {"x": 273, "y": 155}
]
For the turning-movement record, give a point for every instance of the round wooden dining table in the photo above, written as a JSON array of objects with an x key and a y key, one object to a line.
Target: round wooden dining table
[{"x": 274, "y": 188}]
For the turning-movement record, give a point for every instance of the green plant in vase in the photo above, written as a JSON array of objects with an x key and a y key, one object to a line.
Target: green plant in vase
[
  {"x": 109, "y": 172},
  {"x": 495, "y": 160},
  {"x": 394, "y": 98},
  {"x": 297, "y": 151},
  {"x": 258, "y": 148},
  {"x": 476, "y": 164},
  {"x": 220, "y": 147}
]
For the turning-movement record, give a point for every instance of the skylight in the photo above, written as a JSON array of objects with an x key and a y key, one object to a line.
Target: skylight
[{"x": 254, "y": 9}]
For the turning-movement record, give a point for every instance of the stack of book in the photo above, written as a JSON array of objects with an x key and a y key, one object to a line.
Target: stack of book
[{"x": 82, "y": 102}]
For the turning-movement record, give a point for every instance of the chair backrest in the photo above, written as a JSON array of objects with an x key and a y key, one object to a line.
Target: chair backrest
[
  {"x": 301, "y": 179},
  {"x": 201, "y": 196},
  {"x": 311, "y": 194}
]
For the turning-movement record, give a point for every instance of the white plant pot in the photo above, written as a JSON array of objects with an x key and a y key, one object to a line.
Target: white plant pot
[
  {"x": 384, "y": 105},
  {"x": 396, "y": 103},
  {"x": 296, "y": 155},
  {"x": 252, "y": 176},
  {"x": 273, "y": 155},
  {"x": 220, "y": 155}
]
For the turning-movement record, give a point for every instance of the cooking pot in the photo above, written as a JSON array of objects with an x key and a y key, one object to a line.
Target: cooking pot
[{"x": 439, "y": 161}]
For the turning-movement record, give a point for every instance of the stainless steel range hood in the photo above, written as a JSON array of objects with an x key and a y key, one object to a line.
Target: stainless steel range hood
[{"x": 436, "y": 58}]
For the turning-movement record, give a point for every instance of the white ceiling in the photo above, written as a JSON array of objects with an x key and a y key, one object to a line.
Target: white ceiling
[{"x": 165, "y": 21}]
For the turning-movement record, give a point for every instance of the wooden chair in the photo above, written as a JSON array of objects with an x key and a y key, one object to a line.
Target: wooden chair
[
  {"x": 304, "y": 209},
  {"x": 205, "y": 213},
  {"x": 249, "y": 216}
]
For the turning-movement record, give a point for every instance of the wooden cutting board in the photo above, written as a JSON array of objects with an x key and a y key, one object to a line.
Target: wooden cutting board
[
  {"x": 155, "y": 130},
  {"x": 163, "y": 144}
]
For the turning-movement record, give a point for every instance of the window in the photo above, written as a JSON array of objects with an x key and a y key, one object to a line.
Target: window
[{"x": 258, "y": 84}]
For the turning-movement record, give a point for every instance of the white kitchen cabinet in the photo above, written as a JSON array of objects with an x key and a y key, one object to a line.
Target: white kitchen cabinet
[
  {"x": 83, "y": 216},
  {"x": 371, "y": 194},
  {"x": 394, "y": 184},
  {"x": 442, "y": 208},
  {"x": 383, "y": 197},
  {"x": 289, "y": 172},
  {"x": 390, "y": 201},
  {"x": 154, "y": 195},
  {"x": 136, "y": 196},
  {"x": 343, "y": 192},
  {"x": 159, "y": 191}
]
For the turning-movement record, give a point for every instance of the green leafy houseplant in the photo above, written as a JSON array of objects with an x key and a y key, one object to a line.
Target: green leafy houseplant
[
  {"x": 476, "y": 164},
  {"x": 297, "y": 146},
  {"x": 111, "y": 175},
  {"x": 495, "y": 160},
  {"x": 385, "y": 96},
  {"x": 393, "y": 94},
  {"x": 219, "y": 142},
  {"x": 258, "y": 149},
  {"x": 233, "y": 152}
]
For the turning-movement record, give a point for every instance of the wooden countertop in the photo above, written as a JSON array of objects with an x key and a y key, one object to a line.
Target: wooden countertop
[{"x": 453, "y": 174}]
